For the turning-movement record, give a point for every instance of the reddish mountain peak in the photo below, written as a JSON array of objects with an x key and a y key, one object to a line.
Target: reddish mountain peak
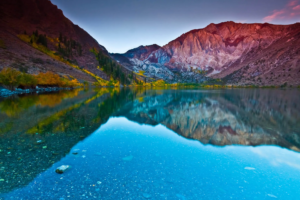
[{"x": 141, "y": 52}]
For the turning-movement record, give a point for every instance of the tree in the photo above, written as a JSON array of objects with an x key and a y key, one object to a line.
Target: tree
[
  {"x": 10, "y": 78},
  {"x": 42, "y": 39},
  {"x": 49, "y": 79},
  {"x": 27, "y": 80}
]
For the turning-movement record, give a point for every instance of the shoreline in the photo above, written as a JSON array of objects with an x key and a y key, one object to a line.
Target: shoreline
[{"x": 7, "y": 93}]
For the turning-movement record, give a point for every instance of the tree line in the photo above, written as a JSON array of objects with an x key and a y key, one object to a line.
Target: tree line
[
  {"x": 111, "y": 68},
  {"x": 66, "y": 49}
]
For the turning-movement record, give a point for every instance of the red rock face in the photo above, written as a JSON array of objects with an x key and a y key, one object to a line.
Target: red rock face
[
  {"x": 17, "y": 16},
  {"x": 228, "y": 47}
]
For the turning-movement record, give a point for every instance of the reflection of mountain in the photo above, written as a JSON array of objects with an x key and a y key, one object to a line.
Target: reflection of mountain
[
  {"x": 244, "y": 117},
  {"x": 32, "y": 140}
]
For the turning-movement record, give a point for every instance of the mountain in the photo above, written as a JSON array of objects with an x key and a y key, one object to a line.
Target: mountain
[
  {"x": 35, "y": 36},
  {"x": 243, "y": 54},
  {"x": 137, "y": 60}
]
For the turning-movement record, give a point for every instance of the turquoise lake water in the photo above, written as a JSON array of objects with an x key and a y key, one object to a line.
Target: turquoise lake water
[{"x": 151, "y": 144}]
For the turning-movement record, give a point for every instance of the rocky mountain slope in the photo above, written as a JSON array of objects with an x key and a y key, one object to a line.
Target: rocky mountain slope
[
  {"x": 243, "y": 54},
  {"x": 136, "y": 60},
  {"x": 67, "y": 45}
]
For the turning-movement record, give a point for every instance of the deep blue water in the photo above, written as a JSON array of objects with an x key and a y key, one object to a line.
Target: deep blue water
[{"x": 150, "y": 158}]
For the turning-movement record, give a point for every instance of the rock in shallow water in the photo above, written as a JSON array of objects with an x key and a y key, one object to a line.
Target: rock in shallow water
[{"x": 62, "y": 169}]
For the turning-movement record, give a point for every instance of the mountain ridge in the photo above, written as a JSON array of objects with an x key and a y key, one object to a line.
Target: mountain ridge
[
  {"x": 231, "y": 53},
  {"x": 225, "y": 51}
]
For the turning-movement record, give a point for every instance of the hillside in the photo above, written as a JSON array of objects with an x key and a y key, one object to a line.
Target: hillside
[{"x": 35, "y": 36}]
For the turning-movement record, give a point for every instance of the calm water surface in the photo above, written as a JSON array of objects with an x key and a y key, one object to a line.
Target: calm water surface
[{"x": 151, "y": 144}]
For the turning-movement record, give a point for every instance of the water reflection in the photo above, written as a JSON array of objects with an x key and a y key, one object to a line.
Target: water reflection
[
  {"x": 37, "y": 131},
  {"x": 224, "y": 117},
  {"x": 35, "y": 134}
]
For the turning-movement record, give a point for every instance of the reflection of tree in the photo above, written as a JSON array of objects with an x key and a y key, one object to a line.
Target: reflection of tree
[
  {"x": 15, "y": 105},
  {"x": 59, "y": 131}
]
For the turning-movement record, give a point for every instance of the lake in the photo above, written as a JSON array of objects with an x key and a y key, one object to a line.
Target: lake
[{"x": 151, "y": 144}]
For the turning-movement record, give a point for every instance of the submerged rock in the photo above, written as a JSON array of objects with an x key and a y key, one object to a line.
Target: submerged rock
[{"x": 62, "y": 169}]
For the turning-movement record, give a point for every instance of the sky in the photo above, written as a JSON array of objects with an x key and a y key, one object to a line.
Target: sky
[{"x": 120, "y": 25}]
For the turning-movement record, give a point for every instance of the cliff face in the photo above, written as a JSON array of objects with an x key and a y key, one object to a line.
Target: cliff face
[
  {"x": 262, "y": 54},
  {"x": 23, "y": 17}
]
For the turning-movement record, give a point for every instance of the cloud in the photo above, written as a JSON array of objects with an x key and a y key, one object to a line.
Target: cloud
[
  {"x": 292, "y": 3},
  {"x": 290, "y": 11},
  {"x": 275, "y": 15},
  {"x": 296, "y": 7}
]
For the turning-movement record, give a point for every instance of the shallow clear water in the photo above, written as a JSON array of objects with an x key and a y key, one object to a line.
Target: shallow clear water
[{"x": 151, "y": 144}]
